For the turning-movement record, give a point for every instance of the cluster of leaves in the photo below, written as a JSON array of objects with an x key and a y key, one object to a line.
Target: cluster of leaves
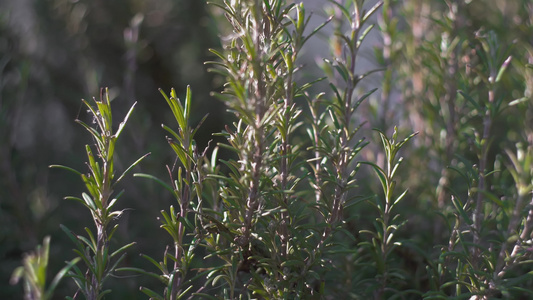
[
  {"x": 53, "y": 53},
  {"x": 100, "y": 182},
  {"x": 33, "y": 272},
  {"x": 465, "y": 90}
]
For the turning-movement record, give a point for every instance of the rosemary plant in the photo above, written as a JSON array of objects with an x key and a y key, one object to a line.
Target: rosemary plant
[
  {"x": 94, "y": 249},
  {"x": 286, "y": 209},
  {"x": 33, "y": 272}
]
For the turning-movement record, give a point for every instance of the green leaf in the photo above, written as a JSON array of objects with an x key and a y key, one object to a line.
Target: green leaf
[
  {"x": 382, "y": 175},
  {"x": 342, "y": 9},
  {"x": 459, "y": 207},
  {"x": 150, "y": 293},
  {"x": 188, "y": 100},
  {"x": 92, "y": 131},
  {"x": 503, "y": 68},
  {"x": 87, "y": 242},
  {"x": 70, "y": 235},
  {"x": 160, "y": 266},
  {"x": 205, "y": 296},
  {"x": 176, "y": 107},
  {"x": 162, "y": 183},
  {"x": 471, "y": 100},
  {"x": 518, "y": 101},
  {"x": 89, "y": 202},
  {"x": 131, "y": 167},
  {"x": 122, "y": 249},
  {"x": 123, "y": 123},
  {"x": 58, "y": 277},
  {"x": 91, "y": 236},
  {"x": 371, "y": 11},
  {"x": 78, "y": 200},
  {"x": 66, "y": 168}
]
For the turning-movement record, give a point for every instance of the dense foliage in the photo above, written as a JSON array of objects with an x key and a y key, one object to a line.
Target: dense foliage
[{"x": 407, "y": 175}]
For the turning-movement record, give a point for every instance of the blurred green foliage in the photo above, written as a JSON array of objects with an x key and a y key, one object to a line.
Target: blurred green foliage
[{"x": 54, "y": 53}]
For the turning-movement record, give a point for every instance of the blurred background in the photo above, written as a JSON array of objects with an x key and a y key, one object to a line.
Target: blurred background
[{"x": 53, "y": 53}]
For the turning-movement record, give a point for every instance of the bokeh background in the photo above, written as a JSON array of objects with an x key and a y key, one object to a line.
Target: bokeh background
[{"x": 53, "y": 53}]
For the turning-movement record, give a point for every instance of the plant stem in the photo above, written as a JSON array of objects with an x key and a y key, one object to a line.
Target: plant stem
[
  {"x": 343, "y": 149},
  {"x": 257, "y": 132},
  {"x": 478, "y": 211},
  {"x": 450, "y": 86},
  {"x": 285, "y": 152},
  {"x": 499, "y": 271}
]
